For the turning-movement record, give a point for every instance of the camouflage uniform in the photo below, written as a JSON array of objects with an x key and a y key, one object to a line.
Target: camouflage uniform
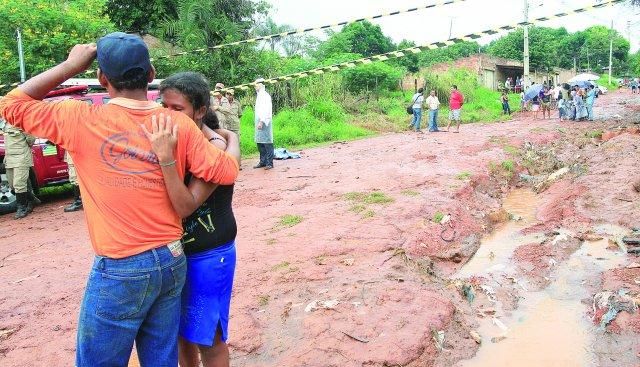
[
  {"x": 18, "y": 161},
  {"x": 232, "y": 113},
  {"x": 222, "y": 104}
]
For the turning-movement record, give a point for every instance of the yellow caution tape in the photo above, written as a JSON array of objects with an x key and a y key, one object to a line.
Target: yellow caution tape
[{"x": 418, "y": 49}]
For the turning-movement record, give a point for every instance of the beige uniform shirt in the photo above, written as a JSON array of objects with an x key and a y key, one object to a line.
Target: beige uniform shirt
[
  {"x": 222, "y": 104},
  {"x": 17, "y": 145},
  {"x": 232, "y": 113}
]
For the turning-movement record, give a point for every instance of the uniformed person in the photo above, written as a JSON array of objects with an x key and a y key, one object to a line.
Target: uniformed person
[
  {"x": 220, "y": 103},
  {"x": 73, "y": 179},
  {"x": 232, "y": 113},
  {"x": 18, "y": 160}
]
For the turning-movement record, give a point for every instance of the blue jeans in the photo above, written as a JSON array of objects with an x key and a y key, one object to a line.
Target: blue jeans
[
  {"x": 417, "y": 117},
  {"x": 589, "y": 111},
  {"x": 433, "y": 120},
  {"x": 136, "y": 298}
]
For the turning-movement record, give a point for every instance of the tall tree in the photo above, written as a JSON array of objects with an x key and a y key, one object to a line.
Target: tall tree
[
  {"x": 269, "y": 27},
  {"x": 205, "y": 24},
  {"x": 140, "y": 16},
  {"x": 363, "y": 38},
  {"x": 49, "y": 30}
]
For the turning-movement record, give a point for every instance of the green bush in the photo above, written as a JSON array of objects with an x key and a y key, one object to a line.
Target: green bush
[
  {"x": 318, "y": 122},
  {"x": 375, "y": 77}
]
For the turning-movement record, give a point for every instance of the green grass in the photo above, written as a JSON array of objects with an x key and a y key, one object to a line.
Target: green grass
[
  {"x": 358, "y": 208},
  {"x": 375, "y": 197},
  {"x": 508, "y": 165},
  {"x": 604, "y": 81},
  {"x": 511, "y": 150},
  {"x": 263, "y": 300},
  {"x": 317, "y": 122},
  {"x": 55, "y": 190},
  {"x": 437, "y": 217},
  {"x": 368, "y": 214},
  {"x": 463, "y": 175},
  {"x": 594, "y": 134},
  {"x": 290, "y": 220}
]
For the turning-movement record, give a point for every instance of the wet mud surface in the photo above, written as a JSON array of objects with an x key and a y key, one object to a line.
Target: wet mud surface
[{"x": 365, "y": 276}]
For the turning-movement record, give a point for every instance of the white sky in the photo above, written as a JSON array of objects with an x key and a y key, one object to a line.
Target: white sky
[{"x": 429, "y": 25}]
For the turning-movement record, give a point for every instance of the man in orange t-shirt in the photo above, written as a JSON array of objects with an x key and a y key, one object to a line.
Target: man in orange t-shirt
[{"x": 133, "y": 291}]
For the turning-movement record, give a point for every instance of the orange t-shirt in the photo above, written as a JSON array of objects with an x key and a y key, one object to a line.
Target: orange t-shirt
[{"x": 125, "y": 201}]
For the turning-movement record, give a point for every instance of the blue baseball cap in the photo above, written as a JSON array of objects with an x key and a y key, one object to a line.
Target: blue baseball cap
[{"x": 120, "y": 52}]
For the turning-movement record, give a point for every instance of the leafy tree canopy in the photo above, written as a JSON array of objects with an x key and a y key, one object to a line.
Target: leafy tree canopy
[
  {"x": 49, "y": 30},
  {"x": 140, "y": 16},
  {"x": 362, "y": 38},
  {"x": 551, "y": 47}
]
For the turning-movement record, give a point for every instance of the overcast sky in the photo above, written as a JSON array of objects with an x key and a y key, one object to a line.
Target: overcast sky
[{"x": 429, "y": 25}]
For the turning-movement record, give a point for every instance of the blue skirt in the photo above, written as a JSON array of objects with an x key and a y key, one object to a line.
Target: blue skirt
[{"x": 206, "y": 296}]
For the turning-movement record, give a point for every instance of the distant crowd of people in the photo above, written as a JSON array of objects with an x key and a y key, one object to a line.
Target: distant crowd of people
[{"x": 572, "y": 102}]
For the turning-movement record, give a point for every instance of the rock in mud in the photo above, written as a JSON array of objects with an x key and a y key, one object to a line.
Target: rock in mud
[
  {"x": 499, "y": 216},
  {"x": 476, "y": 337}
]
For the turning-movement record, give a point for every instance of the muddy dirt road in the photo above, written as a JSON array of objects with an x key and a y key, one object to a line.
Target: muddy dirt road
[{"x": 341, "y": 261}]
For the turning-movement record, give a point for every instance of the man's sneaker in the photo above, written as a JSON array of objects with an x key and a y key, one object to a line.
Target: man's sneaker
[
  {"x": 259, "y": 165},
  {"x": 268, "y": 167}
]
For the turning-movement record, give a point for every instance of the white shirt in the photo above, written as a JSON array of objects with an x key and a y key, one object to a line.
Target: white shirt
[
  {"x": 418, "y": 98},
  {"x": 432, "y": 102}
]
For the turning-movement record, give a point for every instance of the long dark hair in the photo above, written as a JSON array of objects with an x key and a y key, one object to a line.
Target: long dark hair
[{"x": 195, "y": 88}]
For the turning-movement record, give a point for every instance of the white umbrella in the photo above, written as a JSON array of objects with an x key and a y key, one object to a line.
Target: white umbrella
[{"x": 584, "y": 77}]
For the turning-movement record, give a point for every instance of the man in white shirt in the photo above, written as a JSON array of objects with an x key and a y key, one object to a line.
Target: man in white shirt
[
  {"x": 417, "y": 100},
  {"x": 433, "y": 104}
]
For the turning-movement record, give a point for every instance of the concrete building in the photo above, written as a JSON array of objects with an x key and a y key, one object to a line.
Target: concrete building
[{"x": 493, "y": 71}]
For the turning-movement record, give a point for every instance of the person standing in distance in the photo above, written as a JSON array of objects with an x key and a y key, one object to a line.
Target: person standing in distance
[
  {"x": 18, "y": 161},
  {"x": 73, "y": 179},
  {"x": 433, "y": 104},
  {"x": 416, "y": 118},
  {"x": 219, "y": 104},
  {"x": 134, "y": 288},
  {"x": 455, "y": 105},
  {"x": 264, "y": 126}
]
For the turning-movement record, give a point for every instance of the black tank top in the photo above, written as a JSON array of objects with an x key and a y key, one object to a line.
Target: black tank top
[{"x": 212, "y": 224}]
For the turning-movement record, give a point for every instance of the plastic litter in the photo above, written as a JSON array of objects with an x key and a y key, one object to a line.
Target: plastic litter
[
  {"x": 613, "y": 303},
  {"x": 438, "y": 338},
  {"x": 324, "y": 305},
  {"x": 500, "y": 324},
  {"x": 282, "y": 153},
  {"x": 468, "y": 292},
  {"x": 489, "y": 291}
]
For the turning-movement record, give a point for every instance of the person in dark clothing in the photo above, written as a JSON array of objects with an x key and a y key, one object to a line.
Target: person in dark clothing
[{"x": 209, "y": 230}]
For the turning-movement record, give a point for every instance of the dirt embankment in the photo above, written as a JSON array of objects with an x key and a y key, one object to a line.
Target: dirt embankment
[{"x": 356, "y": 273}]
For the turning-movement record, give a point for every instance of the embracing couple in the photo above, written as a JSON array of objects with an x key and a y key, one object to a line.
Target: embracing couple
[{"x": 159, "y": 221}]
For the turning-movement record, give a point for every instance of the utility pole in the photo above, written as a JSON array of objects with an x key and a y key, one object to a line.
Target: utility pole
[
  {"x": 450, "y": 26},
  {"x": 23, "y": 76},
  {"x": 610, "y": 50},
  {"x": 526, "y": 82}
]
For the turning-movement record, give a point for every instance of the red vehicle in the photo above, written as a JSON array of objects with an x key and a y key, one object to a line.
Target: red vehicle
[{"x": 49, "y": 167}]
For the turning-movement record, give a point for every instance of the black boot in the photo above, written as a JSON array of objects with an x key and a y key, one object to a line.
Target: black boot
[
  {"x": 77, "y": 201},
  {"x": 22, "y": 202}
]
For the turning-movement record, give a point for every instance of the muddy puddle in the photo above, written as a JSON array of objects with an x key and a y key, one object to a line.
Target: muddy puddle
[
  {"x": 496, "y": 249},
  {"x": 549, "y": 327}
]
